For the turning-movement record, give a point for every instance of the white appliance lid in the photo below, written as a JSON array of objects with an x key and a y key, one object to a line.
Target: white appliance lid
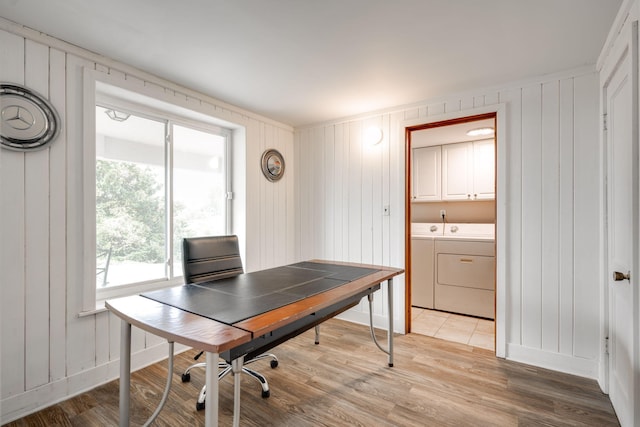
[
  {"x": 426, "y": 228},
  {"x": 461, "y": 229}
]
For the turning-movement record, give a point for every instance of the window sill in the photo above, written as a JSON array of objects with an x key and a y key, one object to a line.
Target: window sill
[
  {"x": 100, "y": 308},
  {"x": 133, "y": 290}
]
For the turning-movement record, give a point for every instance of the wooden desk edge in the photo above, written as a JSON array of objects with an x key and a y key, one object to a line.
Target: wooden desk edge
[
  {"x": 177, "y": 325},
  {"x": 270, "y": 321},
  {"x": 395, "y": 270}
]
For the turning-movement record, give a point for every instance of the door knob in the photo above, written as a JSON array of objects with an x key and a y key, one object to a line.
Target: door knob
[{"x": 618, "y": 276}]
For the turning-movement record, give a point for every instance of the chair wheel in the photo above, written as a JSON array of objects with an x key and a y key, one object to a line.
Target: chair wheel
[
  {"x": 274, "y": 364},
  {"x": 266, "y": 394},
  {"x": 199, "y": 406},
  {"x": 186, "y": 378}
]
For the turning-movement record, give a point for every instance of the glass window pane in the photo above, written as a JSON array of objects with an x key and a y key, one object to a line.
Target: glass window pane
[
  {"x": 130, "y": 199},
  {"x": 199, "y": 187}
]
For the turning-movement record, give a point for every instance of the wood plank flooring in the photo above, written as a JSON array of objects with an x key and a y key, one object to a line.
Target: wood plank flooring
[{"x": 345, "y": 381}]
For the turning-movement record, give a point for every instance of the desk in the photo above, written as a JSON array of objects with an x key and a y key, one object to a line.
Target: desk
[{"x": 305, "y": 293}]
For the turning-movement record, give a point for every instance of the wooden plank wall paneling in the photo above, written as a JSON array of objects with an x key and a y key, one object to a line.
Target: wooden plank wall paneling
[
  {"x": 37, "y": 234},
  {"x": 329, "y": 166},
  {"x": 48, "y": 352},
  {"x": 354, "y": 192},
  {"x": 513, "y": 189},
  {"x": 12, "y": 211},
  {"x": 57, "y": 218},
  {"x": 550, "y": 151},
  {"x": 587, "y": 220},
  {"x": 552, "y": 206},
  {"x": 531, "y": 199},
  {"x": 566, "y": 213}
]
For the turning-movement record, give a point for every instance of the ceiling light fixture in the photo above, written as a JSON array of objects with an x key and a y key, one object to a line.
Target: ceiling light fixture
[
  {"x": 118, "y": 116},
  {"x": 480, "y": 131}
]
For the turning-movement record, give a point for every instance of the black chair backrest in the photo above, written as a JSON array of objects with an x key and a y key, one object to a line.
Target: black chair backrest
[{"x": 210, "y": 258}]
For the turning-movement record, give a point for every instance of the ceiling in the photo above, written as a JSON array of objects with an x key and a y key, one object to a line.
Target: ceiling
[
  {"x": 302, "y": 62},
  {"x": 450, "y": 134}
]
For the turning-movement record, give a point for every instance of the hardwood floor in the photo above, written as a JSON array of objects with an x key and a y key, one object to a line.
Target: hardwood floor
[{"x": 345, "y": 381}]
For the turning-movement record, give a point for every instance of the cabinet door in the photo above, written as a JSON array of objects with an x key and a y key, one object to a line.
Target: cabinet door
[
  {"x": 426, "y": 174},
  {"x": 456, "y": 171},
  {"x": 483, "y": 170}
]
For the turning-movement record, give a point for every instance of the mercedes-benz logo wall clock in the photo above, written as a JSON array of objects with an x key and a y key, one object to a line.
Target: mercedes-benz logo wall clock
[
  {"x": 27, "y": 120},
  {"x": 272, "y": 165}
]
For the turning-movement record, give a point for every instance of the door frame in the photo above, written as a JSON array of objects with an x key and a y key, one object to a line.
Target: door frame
[
  {"x": 499, "y": 112},
  {"x": 606, "y": 67}
]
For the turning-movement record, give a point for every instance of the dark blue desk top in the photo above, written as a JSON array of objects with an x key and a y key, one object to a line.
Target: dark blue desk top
[{"x": 234, "y": 299}]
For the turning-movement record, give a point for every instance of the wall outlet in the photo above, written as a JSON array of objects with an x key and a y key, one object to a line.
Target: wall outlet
[{"x": 443, "y": 213}]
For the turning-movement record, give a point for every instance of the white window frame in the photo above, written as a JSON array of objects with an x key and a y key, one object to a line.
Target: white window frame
[{"x": 102, "y": 89}]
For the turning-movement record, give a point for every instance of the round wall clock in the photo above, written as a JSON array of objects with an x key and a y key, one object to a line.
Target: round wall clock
[
  {"x": 27, "y": 120},
  {"x": 272, "y": 165}
]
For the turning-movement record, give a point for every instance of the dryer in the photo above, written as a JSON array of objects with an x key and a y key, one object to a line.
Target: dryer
[{"x": 465, "y": 270}]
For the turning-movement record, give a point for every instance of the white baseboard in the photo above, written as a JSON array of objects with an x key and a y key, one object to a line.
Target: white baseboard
[
  {"x": 28, "y": 402},
  {"x": 573, "y": 365},
  {"x": 362, "y": 318}
]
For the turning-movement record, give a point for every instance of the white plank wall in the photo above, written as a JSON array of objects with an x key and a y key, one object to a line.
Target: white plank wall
[
  {"x": 48, "y": 352},
  {"x": 12, "y": 168},
  {"x": 551, "y": 198},
  {"x": 532, "y": 203}
]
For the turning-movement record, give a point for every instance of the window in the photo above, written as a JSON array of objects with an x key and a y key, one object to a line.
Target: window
[{"x": 158, "y": 178}]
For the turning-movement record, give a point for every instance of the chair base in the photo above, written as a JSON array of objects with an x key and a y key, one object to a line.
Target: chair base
[{"x": 226, "y": 369}]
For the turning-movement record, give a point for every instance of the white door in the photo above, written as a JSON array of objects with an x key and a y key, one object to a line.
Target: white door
[{"x": 619, "y": 96}]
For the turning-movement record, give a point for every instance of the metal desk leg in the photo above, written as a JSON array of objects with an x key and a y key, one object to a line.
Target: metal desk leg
[
  {"x": 390, "y": 330},
  {"x": 236, "y": 365},
  {"x": 389, "y": 349},
  {"x": 211, "y": 402},
  {"x": 125, "y": 371}
]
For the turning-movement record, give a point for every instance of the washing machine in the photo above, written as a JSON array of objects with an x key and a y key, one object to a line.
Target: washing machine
[{"x": 422, "y": 263}]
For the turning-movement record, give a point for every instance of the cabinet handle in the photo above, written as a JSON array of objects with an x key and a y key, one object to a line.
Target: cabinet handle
[{"x": 466, "y": 260}]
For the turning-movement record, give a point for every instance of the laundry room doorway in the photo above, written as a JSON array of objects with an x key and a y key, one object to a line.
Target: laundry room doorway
[{"x": 451, "y": 220}]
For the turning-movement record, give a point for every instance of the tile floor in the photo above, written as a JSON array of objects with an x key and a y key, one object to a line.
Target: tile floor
[{"x": 453, "y": 327}]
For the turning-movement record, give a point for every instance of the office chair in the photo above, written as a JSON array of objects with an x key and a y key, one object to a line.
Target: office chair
[{"x": 206, "y": 259}]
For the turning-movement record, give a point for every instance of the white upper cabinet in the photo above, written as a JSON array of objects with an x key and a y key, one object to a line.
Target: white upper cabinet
[
  {"x": 484, "y": 180},
  {"x": 457, "y": 174},
  {"x": 426, "y": 185},
  {"x": 461, "y": 171}
]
